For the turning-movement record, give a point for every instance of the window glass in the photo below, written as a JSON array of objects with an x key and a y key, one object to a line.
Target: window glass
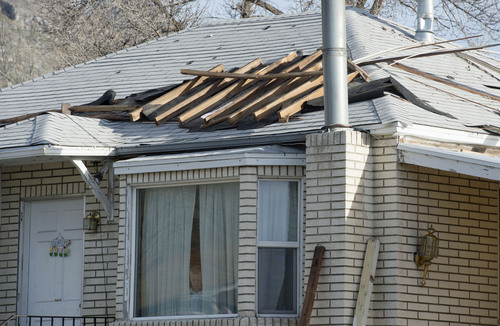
[
  {"x": 277, "y": 280},
  {"x": 278, "y": 244},
  {"x": 186, "y": 250}
]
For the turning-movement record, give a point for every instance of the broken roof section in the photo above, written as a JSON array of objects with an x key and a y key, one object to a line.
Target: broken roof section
[
  {"x": 276, "y": 91},
  {"x": 255, "y": 90},
  {"x": 154, "y": 69}
]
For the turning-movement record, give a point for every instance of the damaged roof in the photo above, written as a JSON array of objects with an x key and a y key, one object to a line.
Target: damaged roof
[{"x": 399, "y": 80}]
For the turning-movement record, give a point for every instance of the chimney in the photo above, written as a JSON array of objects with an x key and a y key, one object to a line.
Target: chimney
[
  {"x": 334, "y": 63},
  {"x": 425, "y": 20}
]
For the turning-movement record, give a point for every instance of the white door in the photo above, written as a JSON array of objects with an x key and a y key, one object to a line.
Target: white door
[{"x": 52, "y": 284}]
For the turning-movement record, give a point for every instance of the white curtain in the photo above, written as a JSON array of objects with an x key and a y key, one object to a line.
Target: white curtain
[
  {"x": 165, "y": 225},
  {"x": 219, "y": 208},
  {"x": 277, "y": 216},
  {"x": 274, "y": 210}
]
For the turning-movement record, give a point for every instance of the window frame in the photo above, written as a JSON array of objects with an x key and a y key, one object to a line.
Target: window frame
[
  {"x": 131, "y": 239},
  {"x": 284, "y": 245}
]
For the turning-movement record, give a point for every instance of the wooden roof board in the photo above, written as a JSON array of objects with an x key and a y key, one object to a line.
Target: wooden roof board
[
  {"x": 217, "y": 96},
  {"x": 230, "y": 91}
]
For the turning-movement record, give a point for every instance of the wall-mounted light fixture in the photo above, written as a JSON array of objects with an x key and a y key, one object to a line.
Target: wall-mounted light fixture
[
  {"x": 91, "y": 221},
  {"x": 428, "y": 249}
]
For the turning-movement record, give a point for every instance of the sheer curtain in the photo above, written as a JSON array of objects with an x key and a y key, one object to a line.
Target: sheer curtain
[
  {"x": 162, "y": 287},
  {"x": 274, "y": 210},
  {"x": 219, "y": 211},
  {"x": 277, "y": 222}
]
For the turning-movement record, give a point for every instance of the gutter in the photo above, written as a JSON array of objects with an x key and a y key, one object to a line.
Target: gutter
[
  {"x": 473, "y": 164},
  {"x": 414, "y": 131}
]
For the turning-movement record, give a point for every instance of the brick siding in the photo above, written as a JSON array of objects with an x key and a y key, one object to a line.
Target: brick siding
[{"x": 22, "y": 183}]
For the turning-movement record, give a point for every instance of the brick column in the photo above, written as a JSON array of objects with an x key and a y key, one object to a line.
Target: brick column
[{"x": 338, "y": 216}]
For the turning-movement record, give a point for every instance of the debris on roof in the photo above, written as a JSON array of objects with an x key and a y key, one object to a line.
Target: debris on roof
[{"x": 259, "y": 92}]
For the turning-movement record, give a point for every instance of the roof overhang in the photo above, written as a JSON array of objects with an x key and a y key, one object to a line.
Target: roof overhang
[
  {"x": 51, "y": 153},
  {"x": 433, "y": 133},
  {"x": 258, "y": 156},
  {"x": 478, "y": 165}
]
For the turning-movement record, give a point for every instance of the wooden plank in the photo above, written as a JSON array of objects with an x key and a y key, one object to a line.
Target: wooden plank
[
  {"x": 360, "y": 70},
  {"x": 458, "y": 96},
  {"x": 280, "y": 99},
  {"x": 270, "y": 95},
  {"x": 24, "y": 117},
  {"x": 203, "y": 93},
  {"x": 65, "y": 108},
  {"x": 136, "y": 114},
  {"x": 230, "y": 91},
  {"x": 250, "y": 76},
  {"x": 258, "y": 90},
  {"x": 404, "y": 48},
  {"x": 446, "y": 82},
  {"x": 425, "y": 54},
  {"x": 312, "y": 284},
  {"x": 94, "y": 186},
  {"x": 101, "y": 108},
  {"x": 287, "y": 111},
  {"x": 295, "y": 106},
  {"x": 366, "y": 283},
  {"x": 182, "y": 89}
]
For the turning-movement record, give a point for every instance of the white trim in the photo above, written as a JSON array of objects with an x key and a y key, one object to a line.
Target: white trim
[
  {"x": 93, "y": 184},
  {"x": 53, "y": 150},
  {"x": 284, "y": 245},
  {"x": 131, "y": 245},
  {"x": 433, "y": 133},
  {"x": 448, "y": 135},
  {"x": 196, "y": 161},
  {"x": 477, "y": 165}
]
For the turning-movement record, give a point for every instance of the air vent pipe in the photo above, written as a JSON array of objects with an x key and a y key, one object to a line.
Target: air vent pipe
[
  {"x": 334, "y": 63},
  {"x": 425, "y": 21}
]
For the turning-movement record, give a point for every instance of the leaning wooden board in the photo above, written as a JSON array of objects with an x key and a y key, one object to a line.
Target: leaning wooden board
[{"x": 366, "y": 284}]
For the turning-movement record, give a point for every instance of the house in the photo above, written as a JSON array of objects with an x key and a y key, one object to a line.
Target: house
[{"x": 241, "y": 206}]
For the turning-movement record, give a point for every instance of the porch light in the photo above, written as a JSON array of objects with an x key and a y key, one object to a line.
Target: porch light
[
  {"x": 91, "y": 221},
  {"x": 427, "y": 250}
]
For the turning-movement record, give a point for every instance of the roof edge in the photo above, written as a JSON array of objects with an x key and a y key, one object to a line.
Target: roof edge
[{"x": 43, "y": 153}]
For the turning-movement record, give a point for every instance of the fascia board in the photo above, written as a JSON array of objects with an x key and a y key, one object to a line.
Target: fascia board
[
  {"x": 477, "y": 165},
  {"x": 44, "y": 151},
  {"x": 165, "y": 164},
  {"x": 448, "y": 135},
  {"x": 381, "y": 129}
]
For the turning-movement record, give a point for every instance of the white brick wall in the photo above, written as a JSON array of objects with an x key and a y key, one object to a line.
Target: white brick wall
[
  {"x": 48, "y": 181},
  {"x": 354, "y": 190},
  {"x": 370, "y": 194},
  {"x": 338, "y": 216}
]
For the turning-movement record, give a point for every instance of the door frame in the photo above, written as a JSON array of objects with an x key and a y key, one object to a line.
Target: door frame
[{"x": 24, "y": 245}]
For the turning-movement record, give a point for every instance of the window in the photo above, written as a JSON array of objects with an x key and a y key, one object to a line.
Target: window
[
  {"x": 186, "y": 250},
  {"x": 278, "y": 243}
]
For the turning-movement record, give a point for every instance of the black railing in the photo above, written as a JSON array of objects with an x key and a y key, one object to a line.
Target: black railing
[{"x": 22, "y": 320}]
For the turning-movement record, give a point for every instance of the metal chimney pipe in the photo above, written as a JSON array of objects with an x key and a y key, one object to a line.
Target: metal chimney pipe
[
  {"x": 334, "y": 63},
  {"x": 425, "y": 21}
]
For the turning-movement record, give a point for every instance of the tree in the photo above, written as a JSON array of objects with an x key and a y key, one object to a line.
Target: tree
[
  {"x": 81, "y": 30},
  {"x": 20, "y": 50}
]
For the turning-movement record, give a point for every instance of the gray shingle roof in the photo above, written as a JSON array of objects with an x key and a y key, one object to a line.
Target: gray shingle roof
[{"x": 235, "y": 43}]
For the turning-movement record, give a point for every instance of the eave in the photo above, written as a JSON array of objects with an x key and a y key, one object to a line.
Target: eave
[
  {"x": 477, "y": 165},
  {"x": 52, "y": 153}
]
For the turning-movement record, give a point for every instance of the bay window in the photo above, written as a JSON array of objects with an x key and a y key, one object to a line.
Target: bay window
[
  {"x": 278, "y": 246},
  {"x": 186, "y": 250}
]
